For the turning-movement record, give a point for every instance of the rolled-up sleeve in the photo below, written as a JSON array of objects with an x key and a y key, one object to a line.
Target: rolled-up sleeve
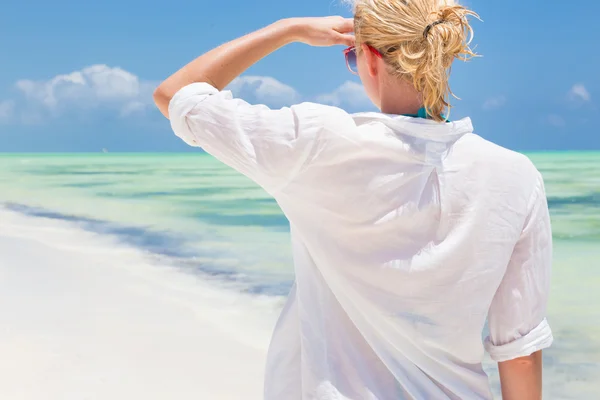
[
  {"x": 517, "y": 317},
  {"x": 268, "y": 146}
]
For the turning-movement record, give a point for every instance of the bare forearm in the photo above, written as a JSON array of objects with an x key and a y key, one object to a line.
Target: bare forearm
[
  {"x": 222, "y": 65},
  {"x": 521, "y": 379}
]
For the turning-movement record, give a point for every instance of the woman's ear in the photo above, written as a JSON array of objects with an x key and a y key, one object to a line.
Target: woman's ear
[{"x": 371, "y": 60}]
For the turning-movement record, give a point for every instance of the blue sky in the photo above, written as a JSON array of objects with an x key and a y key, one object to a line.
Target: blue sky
[{"x": 78, "y": 76}]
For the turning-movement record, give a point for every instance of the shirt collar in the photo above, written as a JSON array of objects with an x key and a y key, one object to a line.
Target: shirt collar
[{"x": 426, "y": 129}]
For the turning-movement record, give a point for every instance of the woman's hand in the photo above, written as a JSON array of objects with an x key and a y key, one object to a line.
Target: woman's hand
[{"x": 324, "y": 31}]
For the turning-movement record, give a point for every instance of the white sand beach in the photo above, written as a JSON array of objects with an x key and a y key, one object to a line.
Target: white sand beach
[{"x": 82, "y": 317}]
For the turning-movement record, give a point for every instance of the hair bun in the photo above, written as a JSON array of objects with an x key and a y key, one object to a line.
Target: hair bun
[{"x": 450, "y": 24}]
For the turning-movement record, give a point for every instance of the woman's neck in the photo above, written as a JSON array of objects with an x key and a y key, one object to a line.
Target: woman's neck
[{"x": 399, "y": 97}]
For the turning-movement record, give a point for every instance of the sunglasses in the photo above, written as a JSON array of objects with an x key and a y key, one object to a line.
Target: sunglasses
[{"x": 350, "y": 54}]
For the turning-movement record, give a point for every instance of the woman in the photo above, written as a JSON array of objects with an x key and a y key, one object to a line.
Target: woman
[{"x": 408, "y": 230}]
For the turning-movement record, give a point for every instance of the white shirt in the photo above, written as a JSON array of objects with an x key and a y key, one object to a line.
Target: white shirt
[{"x": 406, "y": 235}]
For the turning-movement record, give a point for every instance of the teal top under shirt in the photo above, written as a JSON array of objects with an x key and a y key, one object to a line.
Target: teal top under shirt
[{"x": 422, "y": 113}]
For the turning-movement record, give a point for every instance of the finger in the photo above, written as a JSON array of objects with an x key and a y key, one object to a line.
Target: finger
[
  {"x": 346, "y": 39},
  {"x": 346, "y": 26}
]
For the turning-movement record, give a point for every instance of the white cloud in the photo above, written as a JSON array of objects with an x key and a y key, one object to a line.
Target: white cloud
[
  {"x": 494, "y": 103},
  {"x": 264, "y": 89},
  {"x": 579, "y": 93},
  {"x": 101, "y": 88},
  {"x": 7, "y": 108},
  {"x": 92, "y": 87},
  {"x": 350, "y": 95},
  {"x": 556, "y": 121},
  {"x": 270, "y": 91}
]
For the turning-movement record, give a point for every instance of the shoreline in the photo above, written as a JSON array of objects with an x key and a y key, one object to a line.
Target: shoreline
[{"x": 86, "y": 317}]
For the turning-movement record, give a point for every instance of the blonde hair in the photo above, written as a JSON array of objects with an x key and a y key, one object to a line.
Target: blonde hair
[{"x": 419, "y": 40}]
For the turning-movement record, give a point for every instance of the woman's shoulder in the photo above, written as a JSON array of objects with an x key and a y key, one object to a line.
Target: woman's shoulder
[
  {"x": 499, "y": 160},
  {"x": 322, "y": 118},
  {"x": 495, "y": 152},
  {"x": 319, "y": 110}
]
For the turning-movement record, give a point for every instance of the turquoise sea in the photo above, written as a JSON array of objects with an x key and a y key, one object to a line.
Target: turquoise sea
[{"x": 192, "y": 212}]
